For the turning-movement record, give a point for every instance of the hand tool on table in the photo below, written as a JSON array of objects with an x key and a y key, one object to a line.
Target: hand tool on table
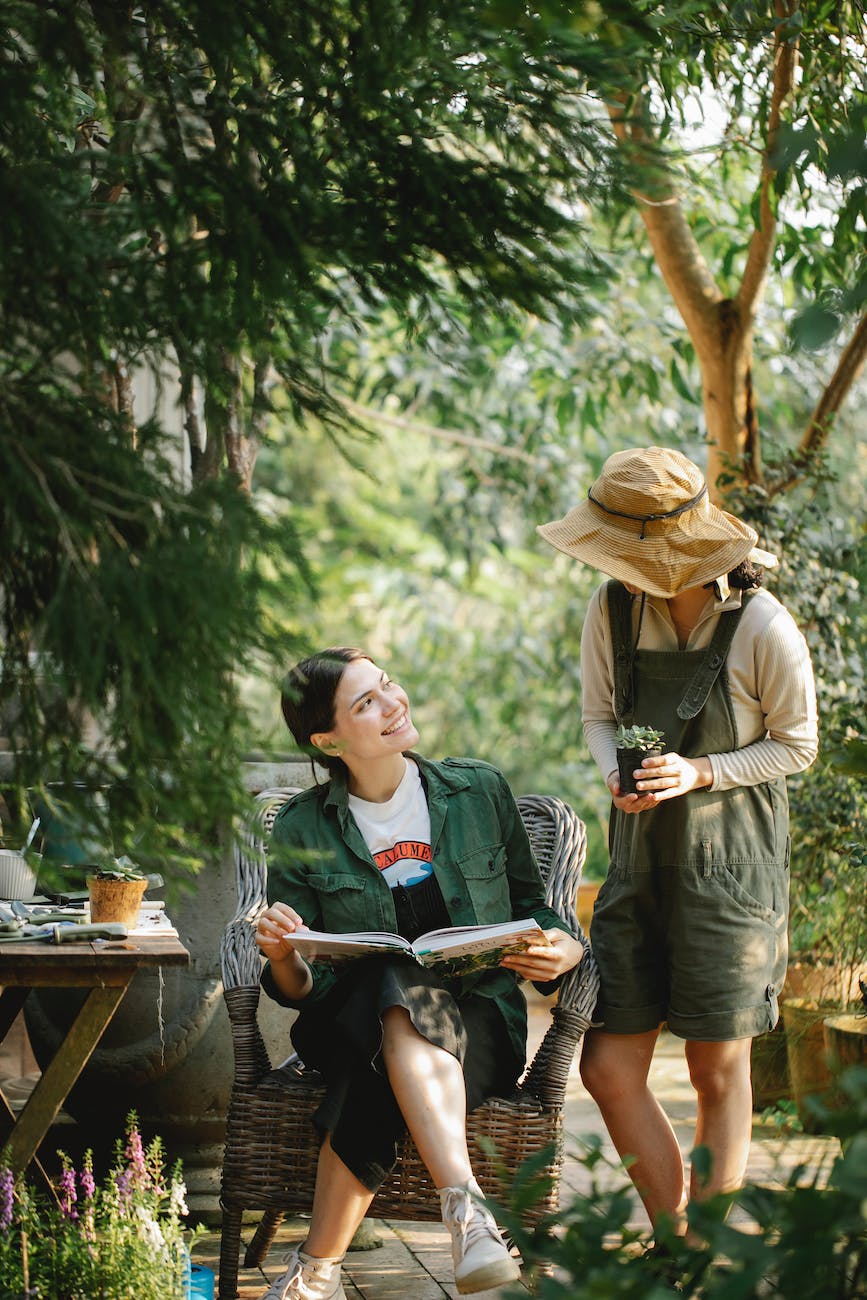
[{"x": 62, "y": 932}]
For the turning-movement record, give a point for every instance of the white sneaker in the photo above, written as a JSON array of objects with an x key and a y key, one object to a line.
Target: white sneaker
[
  {"x": 307, "y": 1278},
  {"x": 480, "y": 1256}
]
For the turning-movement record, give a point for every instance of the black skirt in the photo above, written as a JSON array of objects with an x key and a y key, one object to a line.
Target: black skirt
[{"x": 342, "y": 1039}]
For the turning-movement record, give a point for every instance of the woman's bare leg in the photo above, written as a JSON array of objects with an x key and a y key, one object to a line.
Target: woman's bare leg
[
  {"x": 720, "y": 1074},
  {"x": 614, "y": 1069},
  {"x": 428, "y": 1084},
  {"x": 340, "y": 1202}
]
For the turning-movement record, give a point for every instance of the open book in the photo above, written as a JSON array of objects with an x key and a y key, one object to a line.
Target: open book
[{"x": 455, "y": 951}]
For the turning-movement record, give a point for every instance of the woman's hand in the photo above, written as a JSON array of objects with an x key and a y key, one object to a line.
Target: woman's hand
[
  {"x": 544, "y": 962},
  {"x": 274, "y": 931},
  {"x": 662, "y": 776}
]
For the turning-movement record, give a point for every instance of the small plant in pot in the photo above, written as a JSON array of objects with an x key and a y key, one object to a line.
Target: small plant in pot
[
  {"x": 116, "y": 887},
  {"x": 633, "y": 745}
]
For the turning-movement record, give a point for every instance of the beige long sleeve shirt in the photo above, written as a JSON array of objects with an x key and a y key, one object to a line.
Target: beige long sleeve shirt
[{"x": 770, "y": 679}]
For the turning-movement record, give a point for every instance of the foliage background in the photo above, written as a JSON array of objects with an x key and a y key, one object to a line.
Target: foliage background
[{"x": 402, "y": 276}]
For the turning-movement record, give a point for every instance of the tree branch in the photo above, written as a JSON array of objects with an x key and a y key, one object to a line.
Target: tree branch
[
  {"x": 432, "y": 431},
  {"x": 675, "y": 248},
  {"x": 763, "y": 238},
  {"x": 821, "y": 423}
]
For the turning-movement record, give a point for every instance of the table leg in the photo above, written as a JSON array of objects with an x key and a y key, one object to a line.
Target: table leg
[
  {"x": 7, "y": 1124},
  {"x": 12, "y": 999},
  {"x": 11, "y": 1002},
  {"x": 59, "y": 1076}
]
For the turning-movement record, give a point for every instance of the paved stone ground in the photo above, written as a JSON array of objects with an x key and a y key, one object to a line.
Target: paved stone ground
[{"x": 414, "y": 1260}]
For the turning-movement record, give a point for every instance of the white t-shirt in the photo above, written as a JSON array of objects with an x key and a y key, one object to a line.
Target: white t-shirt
[{"x": 397, "y": 832}]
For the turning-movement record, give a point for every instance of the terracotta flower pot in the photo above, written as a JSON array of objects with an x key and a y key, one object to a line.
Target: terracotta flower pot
[
  {"x": 805, "y": 1050},
  {"x": 628, "y": 760},
  {"x": 819, "y": 981},
  {"x": 116, "y": 900}
]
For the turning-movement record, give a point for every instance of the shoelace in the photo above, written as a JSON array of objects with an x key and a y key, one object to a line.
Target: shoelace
[
  {"x": 291, "y": 1276},
  {"x": 460, "y": 1209}
]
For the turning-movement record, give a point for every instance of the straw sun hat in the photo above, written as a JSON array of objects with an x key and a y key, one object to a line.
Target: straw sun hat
[{"x": 648, "y": 521}]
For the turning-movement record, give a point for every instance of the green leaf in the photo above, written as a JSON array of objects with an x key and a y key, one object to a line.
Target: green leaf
[
  {"x": 814, "y": 327},
  {"x": 680, "y": 382}
]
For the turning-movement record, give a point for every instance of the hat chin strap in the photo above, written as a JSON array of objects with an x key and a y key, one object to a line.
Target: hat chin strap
[{"x": 644, "y": 520}]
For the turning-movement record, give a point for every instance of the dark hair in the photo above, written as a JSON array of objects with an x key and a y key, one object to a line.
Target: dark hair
[
  {"x": 746, "y": 576},
  {"x": 307, "y": 697},
  {"x": 743, "y": 578}
]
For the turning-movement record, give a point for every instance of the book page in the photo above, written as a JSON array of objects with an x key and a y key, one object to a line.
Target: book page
[
  {"x": 317, "y": 945},
  {"x": 480, "y": 936},
  {"x": 468, "y": 949}
]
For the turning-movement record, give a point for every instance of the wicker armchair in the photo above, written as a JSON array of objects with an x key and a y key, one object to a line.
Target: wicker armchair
[{"x": 271, "y": 1143}]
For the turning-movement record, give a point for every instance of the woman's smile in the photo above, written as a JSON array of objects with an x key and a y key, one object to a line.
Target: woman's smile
[{"x": 397, "y": 726}]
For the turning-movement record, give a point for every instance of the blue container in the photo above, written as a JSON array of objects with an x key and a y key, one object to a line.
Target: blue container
[
  {"x": 201, "y": 1283},
  {"x": 198, "y": 1280}
]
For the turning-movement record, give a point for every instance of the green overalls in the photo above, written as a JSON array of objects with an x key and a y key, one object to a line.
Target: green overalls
[{"x": 690, "y": 924}]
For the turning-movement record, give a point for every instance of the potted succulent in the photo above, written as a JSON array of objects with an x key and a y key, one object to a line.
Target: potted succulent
[
  {"x": 116, "y": 887},
  {"x": 633, "y": 745}
]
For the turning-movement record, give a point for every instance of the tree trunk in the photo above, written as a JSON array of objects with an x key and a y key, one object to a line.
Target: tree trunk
[{"x": 721, "y": 329}]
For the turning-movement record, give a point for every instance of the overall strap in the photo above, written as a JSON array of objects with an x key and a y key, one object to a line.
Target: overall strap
[
  {"x": 620, "y": 620},
  {"x": 711, "y": 666}
]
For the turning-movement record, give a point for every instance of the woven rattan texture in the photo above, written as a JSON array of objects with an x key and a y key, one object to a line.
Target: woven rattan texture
[{"x": 271, "y": 1144}]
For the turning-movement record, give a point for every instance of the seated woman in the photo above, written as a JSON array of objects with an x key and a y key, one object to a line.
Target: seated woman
[{"x": 397, "y": 842}]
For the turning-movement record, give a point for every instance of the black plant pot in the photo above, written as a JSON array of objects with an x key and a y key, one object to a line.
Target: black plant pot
[{"x": 628, "y": 760}]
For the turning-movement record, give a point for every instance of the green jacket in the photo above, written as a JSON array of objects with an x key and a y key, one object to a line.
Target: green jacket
[{"x": 482, "y": 859}]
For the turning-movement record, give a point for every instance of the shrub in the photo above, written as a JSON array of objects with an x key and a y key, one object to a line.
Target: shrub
[
  {"x": 806, "y": 1240},
  {"x": 122, "y": 1240}
]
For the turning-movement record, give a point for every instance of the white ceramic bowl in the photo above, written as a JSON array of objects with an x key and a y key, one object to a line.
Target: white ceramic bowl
[{"x": 16, "y": 878}]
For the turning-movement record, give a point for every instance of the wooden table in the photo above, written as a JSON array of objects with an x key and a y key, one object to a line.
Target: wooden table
[{"x": 105, "y": 968}]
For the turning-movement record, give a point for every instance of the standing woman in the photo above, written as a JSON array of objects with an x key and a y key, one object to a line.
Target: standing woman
[
  {"x": 397, "y": 842},
  {"x": 690, "y": 925}
]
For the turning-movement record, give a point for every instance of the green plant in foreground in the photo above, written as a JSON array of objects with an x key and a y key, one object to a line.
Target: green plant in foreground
[
  {"x": 123, "y": 1240},
  {"x": 640, "y": 738},
  {"x": 806, "y": 1240}
]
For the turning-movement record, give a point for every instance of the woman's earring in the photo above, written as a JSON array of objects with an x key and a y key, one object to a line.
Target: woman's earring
[{"x": 334, "y": 747}]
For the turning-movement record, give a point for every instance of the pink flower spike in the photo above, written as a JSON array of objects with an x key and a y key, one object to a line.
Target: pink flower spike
[
  {"x": 66, "y": 1193},
  {"x": 7, "y": 1197},
  {"x": 86, "y": 1182}
]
